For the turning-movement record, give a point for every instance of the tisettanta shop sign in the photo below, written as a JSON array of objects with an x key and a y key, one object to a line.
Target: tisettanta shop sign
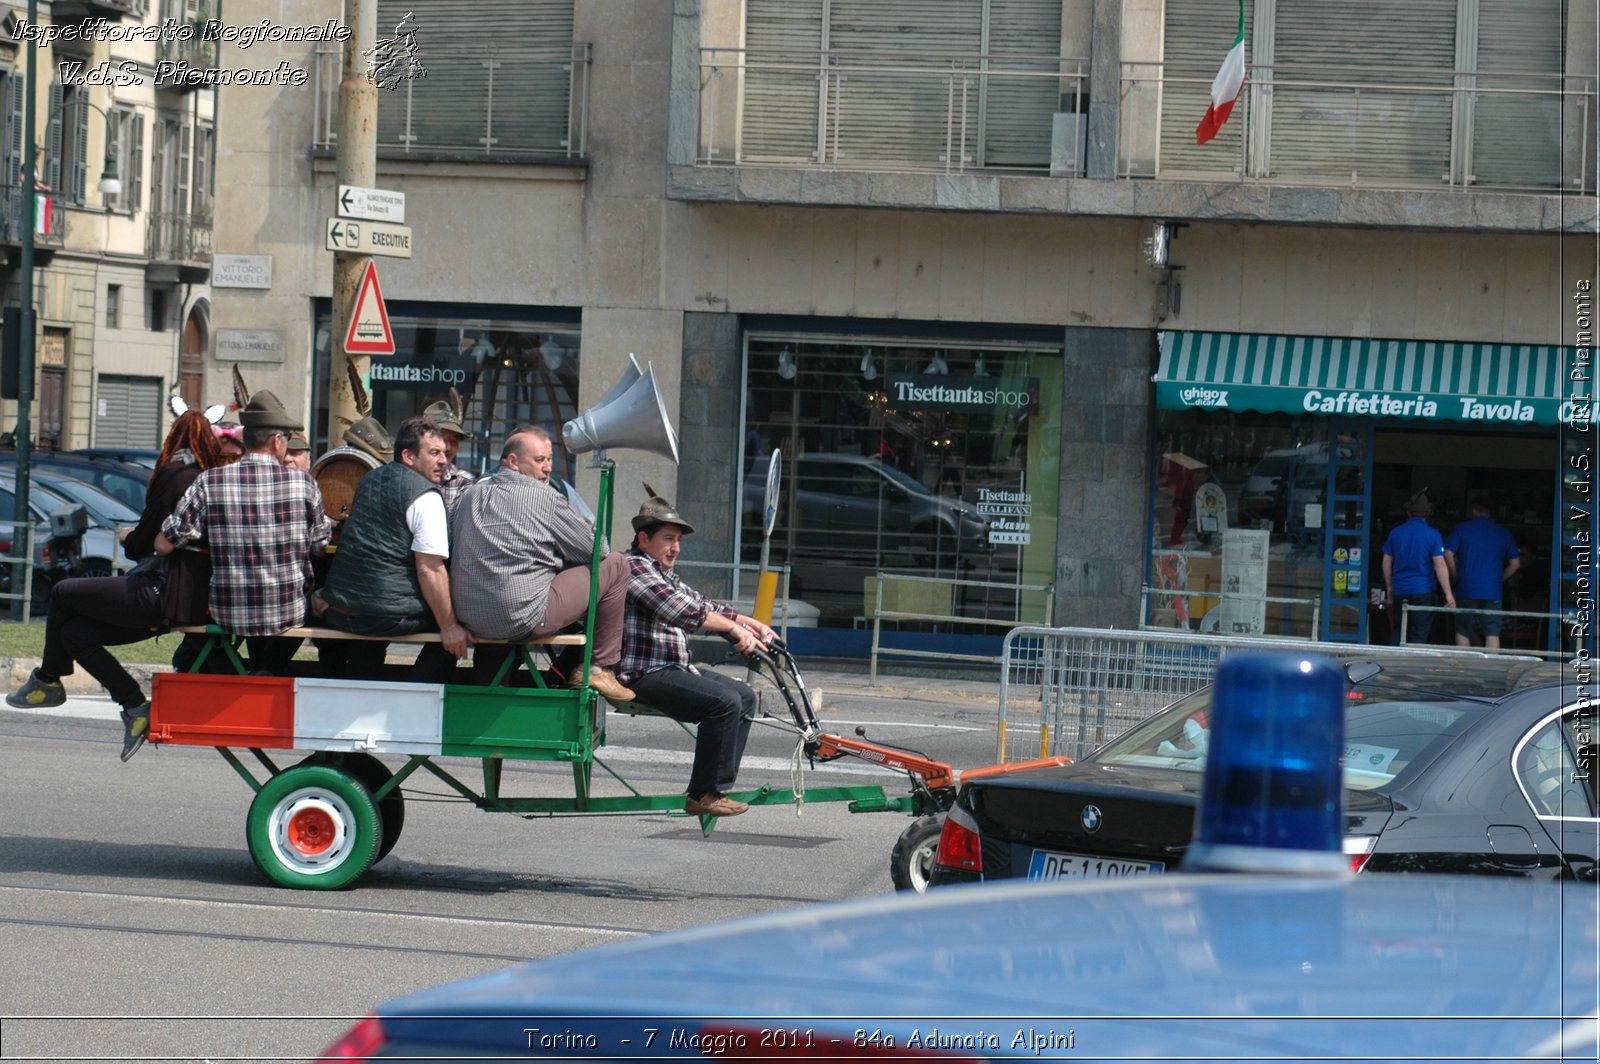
[{"x": 948, "y": 393}]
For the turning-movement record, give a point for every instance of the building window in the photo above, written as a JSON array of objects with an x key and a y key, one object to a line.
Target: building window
[
  {"x": 205, "y": 140},
  {"x": 66, "y": 168},
  {"x": 113, "y": 306},
  {"x": 905, "y": 456},
  {"x": 125, "y": 144},
  {"x": 1477, "y": 98},
  {"x": 950, "y": 85},
  {"x": 508, "y": 100},
  {"x": 160, "y": 309}
]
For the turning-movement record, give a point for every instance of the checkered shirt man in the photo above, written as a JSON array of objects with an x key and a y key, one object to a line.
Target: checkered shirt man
[
  {"x": 261, "y": 521},
  {"x": 662, "y": 609},
  {"x": 455, "y": 482}
]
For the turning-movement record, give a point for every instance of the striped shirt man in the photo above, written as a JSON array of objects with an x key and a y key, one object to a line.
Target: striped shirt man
[{"x": 261, "y": 521}]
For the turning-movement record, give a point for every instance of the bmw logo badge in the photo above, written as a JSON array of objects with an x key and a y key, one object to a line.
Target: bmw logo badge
[{"x": 1090, "y": 817}]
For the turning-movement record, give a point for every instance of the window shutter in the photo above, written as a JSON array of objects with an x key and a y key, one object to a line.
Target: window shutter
[
  {"x": 133, "y": 179},
  {"x": 13, "y": 131},
  {"x": 80, "y": 153},
  {"x": 1397, "y": 134},
  {"x": 780, "y": 106},
  {"x": 930, "y": 113},
  {"x": 1196, "y": 36},
  {"x": 52, "y": 170},
  {"x": 1516, "y": 137},
  {"x": 185, "y": 162},
  {"x": 1024, "y": 37},
  {"x": 496, "y": 77}
]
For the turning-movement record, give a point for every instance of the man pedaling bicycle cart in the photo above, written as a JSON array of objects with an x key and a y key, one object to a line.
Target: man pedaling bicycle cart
[{"x": 657, "y": 664}]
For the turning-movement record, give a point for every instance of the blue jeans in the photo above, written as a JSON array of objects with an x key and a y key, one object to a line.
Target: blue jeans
[{"x": 721, "y": 708}]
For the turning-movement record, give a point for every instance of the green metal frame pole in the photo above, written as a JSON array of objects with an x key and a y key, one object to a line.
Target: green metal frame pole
[{"x": 21, "y": 542}]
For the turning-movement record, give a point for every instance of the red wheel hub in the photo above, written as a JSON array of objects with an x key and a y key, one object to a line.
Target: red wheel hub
[{"x": 311, "y": 831}]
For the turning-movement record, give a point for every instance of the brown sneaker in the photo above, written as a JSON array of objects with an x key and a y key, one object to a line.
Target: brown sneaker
[
  {"x": 713, "y": 805},
  {"x": 606, "y": 682}
]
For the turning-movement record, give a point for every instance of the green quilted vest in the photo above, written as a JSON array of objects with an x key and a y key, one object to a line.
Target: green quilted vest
[{"x": 373, "y": 570}]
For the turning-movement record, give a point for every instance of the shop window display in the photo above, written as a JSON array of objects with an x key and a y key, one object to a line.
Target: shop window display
[
  {"x": 507, "y": 373},
  {"x": 1225, "y": 484},
  {"x": 905, "y": 457},
  {"x": 1265, "y": 478}
]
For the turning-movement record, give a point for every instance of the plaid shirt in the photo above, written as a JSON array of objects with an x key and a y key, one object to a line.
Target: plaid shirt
[
  {"x": 661, "y": 609},
  {"x": 454, "y": 482},
  {"x": 262, "y": 521}
]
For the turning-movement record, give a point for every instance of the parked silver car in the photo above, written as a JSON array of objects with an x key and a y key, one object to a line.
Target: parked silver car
[{"x": 853, "y": 506}]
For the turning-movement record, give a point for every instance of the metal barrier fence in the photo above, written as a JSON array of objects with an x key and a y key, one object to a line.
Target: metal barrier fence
[
  {"x": 1071, "y": 690},
  {"x": 879, "y": 614},
  {"x": 1406, "y": 609},
  {"x": 11, "y": 594}
]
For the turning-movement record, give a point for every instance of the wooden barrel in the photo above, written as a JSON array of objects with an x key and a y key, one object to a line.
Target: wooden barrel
[{"x": 337, "y": 473}]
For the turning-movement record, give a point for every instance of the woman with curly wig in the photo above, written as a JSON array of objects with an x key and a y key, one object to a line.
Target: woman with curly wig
[{"x": 92, "y": 613}]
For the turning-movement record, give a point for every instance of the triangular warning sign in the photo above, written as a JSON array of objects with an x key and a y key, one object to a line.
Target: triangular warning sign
[{"x": 369, "y": 323}]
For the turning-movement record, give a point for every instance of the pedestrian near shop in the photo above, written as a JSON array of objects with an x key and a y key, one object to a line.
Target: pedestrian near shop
[
  {"x": 1413, "y": 562},
  {"x": 1481, "y": 556}
]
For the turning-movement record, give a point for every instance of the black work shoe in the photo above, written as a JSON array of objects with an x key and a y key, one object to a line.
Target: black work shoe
[
  {"x": 37, "y": 693},
  {"x": 135, "y": 726}
]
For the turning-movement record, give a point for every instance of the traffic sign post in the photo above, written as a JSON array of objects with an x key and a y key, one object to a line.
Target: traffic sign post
[
  {"x": 370, "y": 333},
  {"x": 369, "y": 238},
  {"x": 373, "y": 204}
]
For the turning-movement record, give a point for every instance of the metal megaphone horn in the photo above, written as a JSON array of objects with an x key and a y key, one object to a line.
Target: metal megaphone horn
[{"x": 632, "y": 415}]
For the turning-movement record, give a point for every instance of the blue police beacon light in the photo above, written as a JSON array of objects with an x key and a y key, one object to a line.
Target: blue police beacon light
[{"x": 1274, "y": 788}]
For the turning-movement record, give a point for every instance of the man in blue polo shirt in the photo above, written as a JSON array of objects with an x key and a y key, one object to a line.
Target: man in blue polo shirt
[
  {"x": 1413, "y": 558},
  {"x": 1482, "y": 556}
]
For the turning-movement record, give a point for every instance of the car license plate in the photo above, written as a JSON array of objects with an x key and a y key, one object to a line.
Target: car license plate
[{"x": 1047, "y": 865}]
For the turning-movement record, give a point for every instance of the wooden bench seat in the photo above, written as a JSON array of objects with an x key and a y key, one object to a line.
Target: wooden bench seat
[{"x": 320, "y": 632}]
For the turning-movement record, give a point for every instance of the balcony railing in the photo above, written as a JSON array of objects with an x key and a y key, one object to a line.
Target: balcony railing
[
  {"x": 472, "y": 103},
  {"x": 179, "y": 238},
  {"x": 915, "y": 112},
  {"x": 192, "y": 53},
  {"x": 1420, "y": 128},
  {"x": 16, "y": 212},
  {"x": 72, "y": 10}
]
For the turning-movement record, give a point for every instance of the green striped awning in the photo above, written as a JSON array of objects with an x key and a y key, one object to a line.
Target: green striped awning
[{"x": 1405, "y": 379}]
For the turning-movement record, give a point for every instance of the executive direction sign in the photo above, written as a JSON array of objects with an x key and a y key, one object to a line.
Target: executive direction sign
[{"x": 369, "y": 238}]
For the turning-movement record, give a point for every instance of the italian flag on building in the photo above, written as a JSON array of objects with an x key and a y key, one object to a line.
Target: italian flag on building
[{"x": 1225, "y": 88}]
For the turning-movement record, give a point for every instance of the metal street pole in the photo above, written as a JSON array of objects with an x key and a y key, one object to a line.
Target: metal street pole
[
  {"x": 21, "y": 541},
  {"x": 357, "y": 164}
]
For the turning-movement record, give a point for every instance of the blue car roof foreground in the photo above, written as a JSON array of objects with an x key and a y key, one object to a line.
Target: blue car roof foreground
[
  {"x": 1195, "y": 965},
  {"x": 1250, "y": 963}
]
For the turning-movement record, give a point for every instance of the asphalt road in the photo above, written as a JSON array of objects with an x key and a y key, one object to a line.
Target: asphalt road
[{"x": 133, "y": 923}]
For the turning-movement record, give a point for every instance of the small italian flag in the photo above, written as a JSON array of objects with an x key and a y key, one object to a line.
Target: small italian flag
[{"x": 1225, "y": 88}]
